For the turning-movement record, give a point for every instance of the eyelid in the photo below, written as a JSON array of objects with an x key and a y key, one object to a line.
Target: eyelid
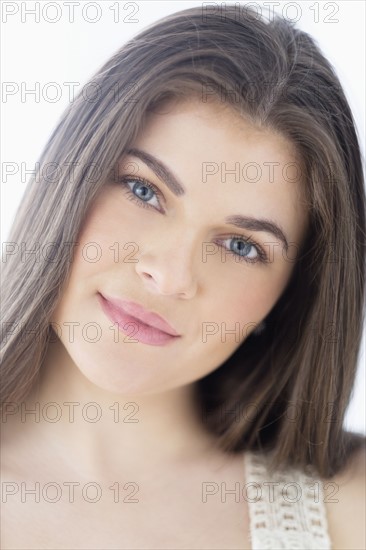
[
  {"x": 262, "y": 256},
  {"x": 128, "y": 177}
]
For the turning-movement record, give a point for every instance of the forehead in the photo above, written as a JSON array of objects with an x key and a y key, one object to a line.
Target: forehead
[{"x": 216, "y": 130}]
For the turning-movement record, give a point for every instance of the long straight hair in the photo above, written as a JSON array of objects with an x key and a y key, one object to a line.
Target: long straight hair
[{"x": 288, "y": 388}]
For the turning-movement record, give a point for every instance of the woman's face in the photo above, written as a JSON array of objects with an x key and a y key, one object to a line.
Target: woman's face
[{"x": 203, "y": 248}]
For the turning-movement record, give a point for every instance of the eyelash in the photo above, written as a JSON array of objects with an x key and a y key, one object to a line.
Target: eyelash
[
  {"x": 262, "y": 256},
  {"x": 125, "y": 179}
]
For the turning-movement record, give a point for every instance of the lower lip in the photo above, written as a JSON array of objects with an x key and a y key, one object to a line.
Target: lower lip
[{"x": 135, "y": 329}]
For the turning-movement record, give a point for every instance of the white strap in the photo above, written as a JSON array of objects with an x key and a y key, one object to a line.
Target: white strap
[{"x": 286, "y": 509}]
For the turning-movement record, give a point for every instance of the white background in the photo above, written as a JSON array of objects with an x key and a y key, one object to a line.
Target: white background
[{"x": 36, "y": 50}]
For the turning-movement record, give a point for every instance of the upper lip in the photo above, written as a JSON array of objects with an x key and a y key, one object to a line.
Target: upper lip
[{"x": 139, "y": 312}]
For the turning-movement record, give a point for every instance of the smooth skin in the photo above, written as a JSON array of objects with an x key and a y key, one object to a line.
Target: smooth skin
[{"x": 148, "y": 433}]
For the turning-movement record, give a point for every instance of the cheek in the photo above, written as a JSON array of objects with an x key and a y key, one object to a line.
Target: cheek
[
  {"x": 249, "y": 298},
  {"x": 106, "y": 241},
  {"x": 243, "y": 310}
]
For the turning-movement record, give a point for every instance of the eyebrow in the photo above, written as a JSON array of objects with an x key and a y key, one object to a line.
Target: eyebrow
[
  {"x": 175, "y": 186},
  {"x": 255, "y": 224}
]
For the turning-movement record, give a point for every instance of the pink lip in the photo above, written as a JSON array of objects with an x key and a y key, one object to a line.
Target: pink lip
[{"x": 152, "y": 329}]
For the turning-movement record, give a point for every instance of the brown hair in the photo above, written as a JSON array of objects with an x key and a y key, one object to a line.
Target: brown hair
[{"x": 286, "y": 389}]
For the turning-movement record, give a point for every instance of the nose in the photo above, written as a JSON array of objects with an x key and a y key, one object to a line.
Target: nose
[{"x": 168, "y": 268}]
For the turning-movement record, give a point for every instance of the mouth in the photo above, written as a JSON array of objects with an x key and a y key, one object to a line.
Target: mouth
[{"x": 138, "y": 323}]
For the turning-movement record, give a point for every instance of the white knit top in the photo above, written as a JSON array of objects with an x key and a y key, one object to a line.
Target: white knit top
[{"x": 286, "y": 509}]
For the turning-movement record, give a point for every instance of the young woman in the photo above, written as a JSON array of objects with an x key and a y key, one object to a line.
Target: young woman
[{"x": 179, "y": 352}]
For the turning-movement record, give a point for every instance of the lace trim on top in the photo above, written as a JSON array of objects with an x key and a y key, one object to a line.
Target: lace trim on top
[{"x": 286, "y": 509}]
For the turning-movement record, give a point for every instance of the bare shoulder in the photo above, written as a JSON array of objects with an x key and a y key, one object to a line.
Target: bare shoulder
[{"x": 345, "y": 504}]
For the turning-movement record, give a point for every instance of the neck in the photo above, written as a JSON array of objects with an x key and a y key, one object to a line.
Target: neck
[{"x": 96, "y": 431}]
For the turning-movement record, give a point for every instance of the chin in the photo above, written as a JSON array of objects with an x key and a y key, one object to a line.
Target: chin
[{"x": 117, "y": 376}]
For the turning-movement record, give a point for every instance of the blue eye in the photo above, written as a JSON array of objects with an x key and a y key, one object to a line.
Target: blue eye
[
  {"x": 240, "y": 247},
  {"x": 141, "y": 191},
  {"x": 245, "y": 249}
]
